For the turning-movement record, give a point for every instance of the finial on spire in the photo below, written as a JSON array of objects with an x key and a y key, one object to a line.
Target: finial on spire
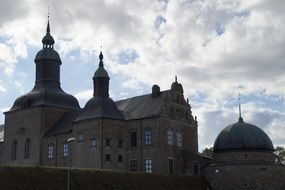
[
  {"x": 101, "y": 44},
  {"x": 101, "y": 59},
  {"x": 239, "y": 106},
  {"x": 175, "y": 78},
  {"x": 48, "y": 28},
  {"x": 48, "y": 12}
]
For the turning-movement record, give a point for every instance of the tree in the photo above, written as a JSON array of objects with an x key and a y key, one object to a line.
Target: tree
[
  {"x": 208, "y": 151},
  {"x": 280, "y": 155}
]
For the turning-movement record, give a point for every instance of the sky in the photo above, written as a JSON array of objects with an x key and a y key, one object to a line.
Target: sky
[{"x": 217, "y": 48}]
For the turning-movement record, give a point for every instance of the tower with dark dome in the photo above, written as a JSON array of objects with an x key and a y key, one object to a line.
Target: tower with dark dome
[
  {"x": 100, "y": 105},
  {"x": 47, "y": 90},
  {"x": 244, "y": 156},
  {"x": 34, "y": 113}
]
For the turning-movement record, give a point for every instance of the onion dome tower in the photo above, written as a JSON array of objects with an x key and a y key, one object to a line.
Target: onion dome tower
[
  {"x": 47, "y": 90},
  {"x": 100, "y": 105}
]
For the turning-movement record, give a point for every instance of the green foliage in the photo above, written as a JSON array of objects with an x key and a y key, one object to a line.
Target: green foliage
[
  {"x": 208, "y": 151},
  {"x": 43, "y": 178},
  {"x": 280, "y": 155}
]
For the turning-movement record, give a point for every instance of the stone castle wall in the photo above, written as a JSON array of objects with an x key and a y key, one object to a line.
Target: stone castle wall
[{"x": 246, "y": 177}]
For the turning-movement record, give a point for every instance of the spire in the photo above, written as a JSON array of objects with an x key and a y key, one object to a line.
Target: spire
[
  {"x": 101, "y": 79},
  {"x": 48, "y": 40},
  {"x": 239, "y": 106},
  {"x": 175, "y": 78},
  {"x": 101, "y": 59}
]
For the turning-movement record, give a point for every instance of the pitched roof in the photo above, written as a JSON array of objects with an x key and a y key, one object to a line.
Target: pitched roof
[
  {"x": 64, "y": 124},
  {"x": 100, "y": 107},
  {"x": 142, "y": 106},
  {"x": 132, "y": 108}
]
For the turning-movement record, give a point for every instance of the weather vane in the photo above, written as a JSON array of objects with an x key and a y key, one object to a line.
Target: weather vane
[
  {"x": 239, "y": 105},
  {"x": 48, "y": 12},
  {"x": 101, "y": 42}
]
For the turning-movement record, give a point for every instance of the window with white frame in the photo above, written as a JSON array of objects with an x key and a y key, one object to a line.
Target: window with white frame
[
  {"x": 148, "y": 166},
  {"x": 65, "y": 150},
  {"x": 50, "y": 151},
  {"x": 179, "y": 139},
  {"x": 147, "y": 137},
  {"x": 169, "y": 136},
  {"x": 93, "y": 143}
]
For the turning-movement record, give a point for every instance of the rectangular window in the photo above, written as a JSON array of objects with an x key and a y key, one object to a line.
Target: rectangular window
[
  {"x": 108, "y": 157},
  {"x": 147, "y": 137},
  {"x": 50, "y": 151},
  {"x": 179, "y": 139},
  {"x": 134, "y": 165},
  {"x": 108, "y": 142},
  {"x": 169, "y": 136},
  {"x": 170, "y": 166},
  {"x": 65, "y": 150},
  {"x": 120, "y": 158},
  {"x": 148, "y": 166},
  {"x": 93, "y": 143},
  {"x": 120, "y": 143},
  {"x": 133, "y": 139}
]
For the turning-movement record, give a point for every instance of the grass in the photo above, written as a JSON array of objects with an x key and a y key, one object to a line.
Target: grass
[{"x": 43, "y": 178}]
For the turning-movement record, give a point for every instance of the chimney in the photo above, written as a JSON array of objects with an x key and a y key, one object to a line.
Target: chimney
[{"x": 155, "y": 91}]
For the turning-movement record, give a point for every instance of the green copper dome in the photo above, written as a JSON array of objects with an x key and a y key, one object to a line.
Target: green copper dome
[{"x": 242, "y": 136}]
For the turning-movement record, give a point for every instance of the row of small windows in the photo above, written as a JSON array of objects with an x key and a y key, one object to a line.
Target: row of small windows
[
  {"x": 170, "y": 138},
  {"x": 149, "y": 166},
  {"x": 133, "y": 141},
  {"x": 148, "y": 138},
  {"x": 27, "y": 150},
  {"x": 50, "y": 149},
  {"x": 94, "y": 141}
]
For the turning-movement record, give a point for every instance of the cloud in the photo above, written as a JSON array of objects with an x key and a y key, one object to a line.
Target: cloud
[
  {"x": 84, "y": 95},
  {"x": 2, "y": 87},
  {"x": 216, "y": 47}
]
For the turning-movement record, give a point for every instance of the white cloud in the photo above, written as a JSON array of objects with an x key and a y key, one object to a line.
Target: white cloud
[
  {"x": 216, "y": 47},
  {"x": 84, "y": 95},
  {"x": 2, "y": 88}
]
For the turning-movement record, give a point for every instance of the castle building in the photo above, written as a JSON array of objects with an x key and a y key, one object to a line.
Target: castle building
[{"x": 154, "y": 133}]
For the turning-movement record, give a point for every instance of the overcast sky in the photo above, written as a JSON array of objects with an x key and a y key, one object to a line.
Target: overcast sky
[{"x": 216, "y": 48}]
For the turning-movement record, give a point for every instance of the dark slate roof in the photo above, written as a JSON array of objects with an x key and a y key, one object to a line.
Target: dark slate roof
[
  {"x": 142, "y": 106},
  {"x": 1, "y": 133},
  {"x": 47, "y": 54},
  {"x": 241, "y": 136},
  {"x": 101, "y": 72},
  {"x": 64, "y": 124},
  {"x": 47, "y": 94},
  {"x": 100, "y": 107}
]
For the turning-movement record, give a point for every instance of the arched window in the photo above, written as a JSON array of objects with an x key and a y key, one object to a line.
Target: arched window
[
  {"x": 14, "y": 150},
  {"x": 27, "y": 152}
]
